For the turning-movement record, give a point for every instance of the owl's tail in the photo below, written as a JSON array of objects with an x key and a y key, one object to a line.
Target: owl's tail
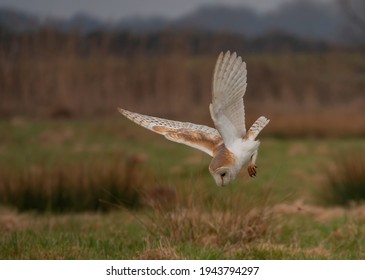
[{"x": 255, "y": 129}]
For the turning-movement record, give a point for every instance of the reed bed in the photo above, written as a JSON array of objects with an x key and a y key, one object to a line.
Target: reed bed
[{"x": 45, "y": 75}]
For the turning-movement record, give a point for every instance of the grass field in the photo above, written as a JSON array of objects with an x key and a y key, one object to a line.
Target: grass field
[{"x": 179, "y": 213}]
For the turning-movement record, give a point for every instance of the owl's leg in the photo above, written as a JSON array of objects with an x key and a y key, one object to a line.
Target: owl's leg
[{"x": 252, "y": 165}]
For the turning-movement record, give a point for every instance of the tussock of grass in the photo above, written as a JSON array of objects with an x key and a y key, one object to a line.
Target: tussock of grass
[
  {"x": 195, "y": 222},
  {"x": 345, "y": 180},
  {"x": 73, "y": 188}
]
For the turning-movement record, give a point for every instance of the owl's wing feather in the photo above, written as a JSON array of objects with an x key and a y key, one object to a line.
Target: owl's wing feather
[
  {"x": 256, "y": 128},
  {"x": 197, "y": 136},
  {"x": 229, "y": 86}
]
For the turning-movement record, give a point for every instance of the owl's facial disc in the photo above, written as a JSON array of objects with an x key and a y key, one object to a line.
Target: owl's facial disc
[{"x": 222, "y": 176}]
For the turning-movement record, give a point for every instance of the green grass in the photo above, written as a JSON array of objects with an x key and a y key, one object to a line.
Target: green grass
[{"x": 184, "y": 215}]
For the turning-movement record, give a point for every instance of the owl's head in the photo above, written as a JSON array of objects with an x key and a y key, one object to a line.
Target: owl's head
[{"x": 223, "y": 176}]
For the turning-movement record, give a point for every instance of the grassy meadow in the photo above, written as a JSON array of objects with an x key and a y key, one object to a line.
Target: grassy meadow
[
  {"x": 173, "y": 209},
  {"x": 78, "y": 181}
]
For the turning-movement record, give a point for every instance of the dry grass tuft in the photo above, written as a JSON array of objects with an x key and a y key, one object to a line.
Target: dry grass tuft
[
  {"x": 345, "y": 180},
  {"x": 73, "y": 188},
  {"x": 201, "y": 224}
]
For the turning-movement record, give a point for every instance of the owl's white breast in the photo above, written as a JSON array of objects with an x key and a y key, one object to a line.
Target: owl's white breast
[{"x": 243, "y": 150}]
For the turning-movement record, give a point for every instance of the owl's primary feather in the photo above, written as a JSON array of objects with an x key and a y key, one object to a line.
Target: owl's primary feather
[{"x": 229, "y": 86}]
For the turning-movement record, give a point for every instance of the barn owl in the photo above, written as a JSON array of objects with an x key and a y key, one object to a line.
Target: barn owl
[{"x": 230, "y": 145}]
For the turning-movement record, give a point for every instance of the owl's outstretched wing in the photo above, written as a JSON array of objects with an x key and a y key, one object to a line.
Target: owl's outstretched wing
[
  {"x": 229, "y": 86},
  {"x": 197, "y": 136}
]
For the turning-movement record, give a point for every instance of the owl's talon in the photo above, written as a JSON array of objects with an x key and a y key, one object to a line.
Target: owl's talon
[{"x": 252, "y": 170}]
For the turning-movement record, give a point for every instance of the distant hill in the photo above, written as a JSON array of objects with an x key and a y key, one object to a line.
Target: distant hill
[
  {"x": 84, "y": 23},
  {"x": 17, "y": 20},
  {"x": 140, "y": 24},
  {"x": 304, "y": 19},
  {"x": 239, "y": 20}
]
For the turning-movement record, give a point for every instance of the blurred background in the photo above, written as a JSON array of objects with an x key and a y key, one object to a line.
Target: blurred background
[
  {"x": 65, "y": 67},
  {"x": 84, "y": 58}
]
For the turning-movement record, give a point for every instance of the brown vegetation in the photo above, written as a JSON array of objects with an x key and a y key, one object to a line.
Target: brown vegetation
[
  {"x": 48, "y": 75},
  {"x": 73, "y": 188},
  {"x": 345, "y": 180},
  {"x": 235, "y": 222}
]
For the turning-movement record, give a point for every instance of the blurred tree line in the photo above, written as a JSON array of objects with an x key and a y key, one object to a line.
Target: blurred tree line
[{"x": 154, "y": 43}]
